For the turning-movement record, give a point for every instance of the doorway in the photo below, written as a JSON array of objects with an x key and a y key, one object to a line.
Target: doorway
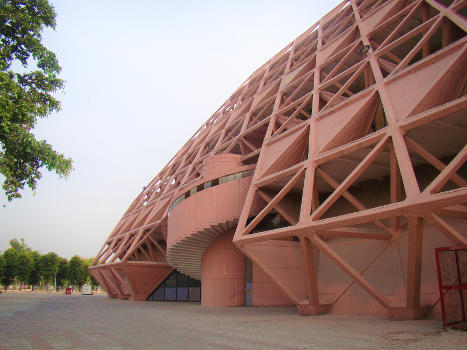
[{"x": 248, "y": 282}]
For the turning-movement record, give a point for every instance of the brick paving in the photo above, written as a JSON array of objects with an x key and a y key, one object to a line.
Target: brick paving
[{"x": 57, "y": 321}]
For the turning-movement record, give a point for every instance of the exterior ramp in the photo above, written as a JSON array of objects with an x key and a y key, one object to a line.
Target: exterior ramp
[
  {"x": 187, "y": 254},
  {"x": 201, "y": 219}
]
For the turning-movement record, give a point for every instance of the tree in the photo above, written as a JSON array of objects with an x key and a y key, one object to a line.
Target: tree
[
  {"x": 19, "y": 246},
  {"x": 34, "y": 276},
  {"x": 94, "y": 282},
  {"x": 77, "y": 272},
  {"x": 2, "y": 267},
  {"x": 26, "y": 94},
  {"x": 48, "y": 267},
  {"x": 10, "y": 257},
  {"x": 62, "y": 272},
  {"x": 24, "y": 267},
  {"x": 90, "y": 278}
]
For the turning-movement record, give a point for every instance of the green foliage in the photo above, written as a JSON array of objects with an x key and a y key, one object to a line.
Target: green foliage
[
  {"x": 77, "y": 272},
  {"x": 26, "y": 94},
  {"x": 24, "y": 266},
  {"x": 62, "y": 272},
  {"x": 34, "y": 276},
  {"x": 48, "y": 267},
  {"x": 30, "y": 267},
  {"x": 2, "y": 267},
  {"x": 90, "y": 278},
  {"x": 93, "y": 281},
  {"x": 19, "y": 246},
  {"x": 10, "y": 257}
]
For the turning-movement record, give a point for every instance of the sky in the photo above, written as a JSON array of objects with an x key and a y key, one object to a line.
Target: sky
[{"x": 141, "y": 77}]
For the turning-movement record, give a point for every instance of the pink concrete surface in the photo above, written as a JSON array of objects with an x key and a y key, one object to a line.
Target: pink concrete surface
[
  {"x": 200, "y": 219},
  {"x": 214, "y": 205},
  {"x": 266, "y": 292},
  {"x": 356, "y": 133},
  {"x": 133, "y": 280},
  {"x": 283, "y": 262},
  {"x": 223, "y": 274},
  {"x": 215, "y": 166}
]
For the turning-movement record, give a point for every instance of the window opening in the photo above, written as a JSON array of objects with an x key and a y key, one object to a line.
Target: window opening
[
  {"x": 177, "y": 287},
  {"x": 209, "y": 184}
]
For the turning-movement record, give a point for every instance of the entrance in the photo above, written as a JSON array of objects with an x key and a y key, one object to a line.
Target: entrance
[
  {"x": 248, "y": 282},
  {"x": 177, "y": 287}
]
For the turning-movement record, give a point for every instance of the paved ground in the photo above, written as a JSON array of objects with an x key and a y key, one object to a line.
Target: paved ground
[{"x": 48, "y": 321}]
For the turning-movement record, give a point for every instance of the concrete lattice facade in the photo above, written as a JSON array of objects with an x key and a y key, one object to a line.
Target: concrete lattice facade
[{"x": 336, "y": 168}]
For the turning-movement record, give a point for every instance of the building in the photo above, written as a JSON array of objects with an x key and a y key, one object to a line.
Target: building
[{"x": 325, "y": 181}]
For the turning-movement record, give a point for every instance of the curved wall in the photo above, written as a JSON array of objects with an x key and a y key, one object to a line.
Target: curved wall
[
  {"x": 223, "y": 274},
  {"x": 199, "y": 220},
  {"x": 221, "y": 164},
  {"x": 210, "y": 207}
]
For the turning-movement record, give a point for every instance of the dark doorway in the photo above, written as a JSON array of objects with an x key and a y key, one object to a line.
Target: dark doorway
[
  {"x": 177, "y": 287},
  {"x": 248, "y": 282}
]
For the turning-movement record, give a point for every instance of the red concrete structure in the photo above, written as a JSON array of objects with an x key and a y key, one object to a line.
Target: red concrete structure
[{"x": 336, "y": 168}]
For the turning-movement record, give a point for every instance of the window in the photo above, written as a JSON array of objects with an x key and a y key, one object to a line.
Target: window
[
  {"x": 177, "y": 201},
  {"x": 177, "y": 287},
  {"x": 209, "y": 184}
]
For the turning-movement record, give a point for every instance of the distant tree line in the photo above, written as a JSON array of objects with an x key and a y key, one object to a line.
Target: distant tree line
[{"x": 20, "y": 266}]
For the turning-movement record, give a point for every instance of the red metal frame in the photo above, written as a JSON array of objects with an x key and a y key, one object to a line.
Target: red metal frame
[{"x": 443, "y": 289}]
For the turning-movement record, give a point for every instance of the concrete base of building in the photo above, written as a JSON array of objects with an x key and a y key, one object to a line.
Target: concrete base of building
[
  {"x": 307, "y": 309},
  {"x": 404, "y": 313}
]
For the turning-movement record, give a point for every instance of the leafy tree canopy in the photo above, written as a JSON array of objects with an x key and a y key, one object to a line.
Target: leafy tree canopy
[
  {"x": 19, "y": 246},
  {"x": 77, "y": 271},
  {"x": 2, "y": 267},
  {"x": 24, "y": 267},
  {"x": 28, "y": 80},
  {"x": 48, "y": 264},
  {"x": 10, "y": 257},
  {"x": 34, "y": 276},
  {"x": 62, "y": 271},
  {"x": 22, "y": 264}
]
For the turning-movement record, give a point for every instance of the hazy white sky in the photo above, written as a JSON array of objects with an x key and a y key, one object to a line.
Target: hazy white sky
[{"x": 141, "y": 77}]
